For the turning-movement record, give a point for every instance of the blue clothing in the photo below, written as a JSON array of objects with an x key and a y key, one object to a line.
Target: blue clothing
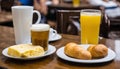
[{"x": 26, "y": 2}]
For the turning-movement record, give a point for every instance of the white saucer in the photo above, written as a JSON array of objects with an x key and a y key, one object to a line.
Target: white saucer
[
  {"x": 51, "y": 50},
  {"x": 57, "y": 37},
  {"x": 111, "y": 55}
]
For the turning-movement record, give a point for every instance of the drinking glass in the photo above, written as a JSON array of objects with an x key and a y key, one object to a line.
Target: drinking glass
[
  {"x": 90, "y": 20},
  {"x": 40, "y": 35},
  {"x": 76, "y": 3}
]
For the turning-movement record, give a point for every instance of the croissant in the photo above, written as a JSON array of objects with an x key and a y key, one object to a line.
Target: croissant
[
  {"x": 98, "y": 51},
  {"x": 76, "y": 51}
]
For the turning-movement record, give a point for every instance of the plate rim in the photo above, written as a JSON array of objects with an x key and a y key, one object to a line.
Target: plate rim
[
  {"x": 51, "y": 48},
  {"x": 101, "y": 60},
  {"x": 58, "y": 38}
]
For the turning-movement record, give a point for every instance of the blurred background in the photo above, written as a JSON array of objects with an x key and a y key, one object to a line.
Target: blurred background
[{"x": 64, "y": 15}]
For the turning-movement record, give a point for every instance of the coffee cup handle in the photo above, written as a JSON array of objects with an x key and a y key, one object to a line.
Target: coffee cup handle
[{"x": 39, "y": 16}]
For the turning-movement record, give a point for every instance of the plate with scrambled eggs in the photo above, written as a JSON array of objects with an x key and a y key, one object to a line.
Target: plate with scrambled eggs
[{"x": 27, "y": 52}]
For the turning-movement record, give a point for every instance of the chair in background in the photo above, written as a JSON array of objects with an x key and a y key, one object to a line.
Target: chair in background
[
  {"x": 114, "y": 24},
  {"x": 64, "y": 21},
  {"x": 114, "y": 28},
  {"x": 68, "y": 23}
]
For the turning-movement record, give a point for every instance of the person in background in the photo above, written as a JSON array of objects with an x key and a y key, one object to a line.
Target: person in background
[
  {"x": 51, "y": 15},
  {"x": 25, "y": 2},
  {"x": 41, "y": 6},
  {"x": 111, "y": 7}
]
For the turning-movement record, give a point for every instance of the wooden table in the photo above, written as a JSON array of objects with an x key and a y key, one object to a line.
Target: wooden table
[{"x": 52, "y": 61}]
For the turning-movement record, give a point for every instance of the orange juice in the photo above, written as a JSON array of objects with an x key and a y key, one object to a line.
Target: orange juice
[
  {"x": 76, "y": 3},
  {"x": 90, "y": 23}
]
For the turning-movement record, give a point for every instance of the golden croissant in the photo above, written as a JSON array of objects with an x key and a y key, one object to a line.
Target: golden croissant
[
  {"x": 98, "y": 51},
  {"x": 76, "y": 51}
]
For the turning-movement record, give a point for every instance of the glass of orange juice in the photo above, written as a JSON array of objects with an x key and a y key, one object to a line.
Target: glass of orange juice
[
  {"x": 90, "y": 20},
  {"x": 76, "y": 3}
]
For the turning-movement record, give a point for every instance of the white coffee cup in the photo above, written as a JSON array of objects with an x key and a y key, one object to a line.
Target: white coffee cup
[
  {"x": 22, "y": 21},
  {"x": 52, "y": 33}
]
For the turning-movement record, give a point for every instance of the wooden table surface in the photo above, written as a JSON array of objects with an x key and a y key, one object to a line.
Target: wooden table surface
[{"x": 52, "y": 61}]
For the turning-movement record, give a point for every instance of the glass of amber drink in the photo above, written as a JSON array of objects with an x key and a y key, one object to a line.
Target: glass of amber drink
[
  {"x": 40, "y": 35},
  {"x": 90, "y": 20}
]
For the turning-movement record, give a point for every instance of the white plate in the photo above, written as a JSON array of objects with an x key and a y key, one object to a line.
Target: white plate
[
  {"x": 51, "y": 50},
  {"x": 111, "y": 55},
  {"x": 57, "y": 37}
]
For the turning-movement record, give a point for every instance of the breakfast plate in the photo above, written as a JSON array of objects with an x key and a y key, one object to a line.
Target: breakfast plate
[
  {"x": 111, "y": 55},
  {"x": 57, "y": 37},
  {"x": 51, "y": 50}
]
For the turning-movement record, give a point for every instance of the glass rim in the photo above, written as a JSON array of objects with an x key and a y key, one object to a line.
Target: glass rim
[
  {"x": 40, "y": 27},
  {"x": 21, "y": 7},
  {"x": 90, "y": 10}
]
